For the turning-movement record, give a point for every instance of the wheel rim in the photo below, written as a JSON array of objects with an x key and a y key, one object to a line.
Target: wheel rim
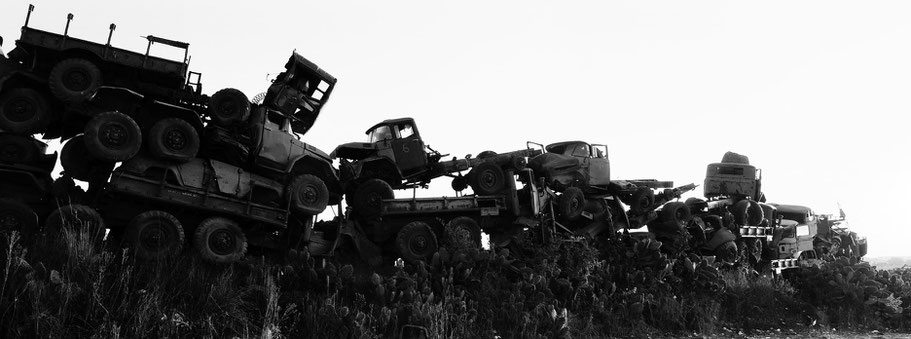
[
  {"x": 575, "y": 204},
  {"x": 226, "y": 109},
  {"x": 309, "y": 195},
  {"x": 175, "y": 139},
  {"x": 11, "y": 152},
  {"x": 463, "y": 234},
  {"x": 488, "y": 180},
  {"x": 10, "y": 220},
  {"x": 155, "y": 237},
  {"x": 20, "y": 109},
  {"x": 680, "y": 215},
  {"x": 76, "y": 79},
  {"x": 419, "y": 244},
  {"x": 114, "y": 135},
  {"x": 222, "y": 242}
]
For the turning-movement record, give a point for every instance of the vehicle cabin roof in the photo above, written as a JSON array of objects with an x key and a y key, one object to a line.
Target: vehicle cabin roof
[
  {"x": 390, "y": 122},
  {"x": 560, "y": 147},
  {"x": 299, "y": 60}
]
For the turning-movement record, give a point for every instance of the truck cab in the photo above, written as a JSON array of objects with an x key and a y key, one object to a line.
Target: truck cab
[
  {"x": 394, "y": 152},
  {"x": 573, "y": 164}
]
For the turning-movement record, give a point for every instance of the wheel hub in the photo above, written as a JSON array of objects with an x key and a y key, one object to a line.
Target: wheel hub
[
  {"x": 418, "y": 243},
  {"x": 309, "y": 195},
  {"x": 222, "y": 242},
  {"x": 153, "y": 238},
  {"x": 10, "y": 221},
  {"x": 76, "y": 80},
  {"x": 114, "y": 135},
  {"x": 175, "y": 140},
  {"x": 20, "y": 109}
]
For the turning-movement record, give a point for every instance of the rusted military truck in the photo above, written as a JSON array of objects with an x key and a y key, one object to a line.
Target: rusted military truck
[
  {"x": 396, "y": 157},
  {"x": 731, "y": 222},
  {"x": 62, "y": 86},
  {"x": 580, "y": 173},
  {"x": 415, "y": 228},
  {"x": 156, "y": 207}
]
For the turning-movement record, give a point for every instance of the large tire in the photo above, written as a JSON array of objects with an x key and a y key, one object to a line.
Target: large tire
[
  {"x": 173, "y": 139},
  {"x": 79, "y": 164},
  {"x": 16, "y": 216},
  {"x": 220, "y": 240},
  {"x": 24, "y": 111},
  {"x": 463, "y": 232},
  {"x": 675, "y": 215},
  {"x": 308, "y": 194},
  {"x": 487, "y": 179},
  {"x": 571, "y": 203},
  {"x": 155, "y": 235},
  {"x": 416, "y": 242},
  {"x": 84, "y": 221},
  {"x": 368, "y": 197},
  {"x": 113, "y": 136},
  {"x": 17, "y": 148},
  {"x": 229, "y": 106},
  {"x": 747, "y": 213},
  {"x": 642, "y": 200},
  {"x": 74, "y": 80}
]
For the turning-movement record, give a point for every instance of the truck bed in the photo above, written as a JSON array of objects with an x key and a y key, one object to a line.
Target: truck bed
[
  {"x": 42, "y": 39},
  {"x": 200, "y": 199}
]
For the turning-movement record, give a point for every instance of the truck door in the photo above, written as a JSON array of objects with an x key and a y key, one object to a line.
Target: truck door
[
  {"x": 272, "y": 142},
  {"x": 599, "y": 167},
  {"x": 408, "y": 149}
]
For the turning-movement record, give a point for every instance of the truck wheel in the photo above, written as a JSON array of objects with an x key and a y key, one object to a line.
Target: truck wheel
[
  {"x": 571, "y": 203},
  {"x": 82, "y": 222},
  {"x": 220, "y": 240},
  {"x": 642, "y": 200},
  {"x": 113, "y": 136},
  {"x": 416, "y": 242},
  {"x": 308, "y": 194},
  {"x": 17, "y": 148},
  {"x": 229, "y": 106},
  {"x": 155, "y": 235},
  {"x": 487, "y": 179},
  {"x": 675, "y": 215},
  {"x": 748, "y": 213},
  {"x": 368, "y": 198},
  {"x": 79, "y": 164},
  {"x": 173, "y": 139},
  {"x": 74, "y": 80},
  {"x": 463, "y": 232},
  {"x": 24, "y": 111},
  {"x": 16, "y": 216}
]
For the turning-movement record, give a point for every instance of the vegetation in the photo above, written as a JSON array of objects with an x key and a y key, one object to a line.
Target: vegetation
[{"x": 617, "y": 287}]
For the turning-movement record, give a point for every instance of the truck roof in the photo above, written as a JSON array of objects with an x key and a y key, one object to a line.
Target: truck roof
[{"x": 389, "y": 122}]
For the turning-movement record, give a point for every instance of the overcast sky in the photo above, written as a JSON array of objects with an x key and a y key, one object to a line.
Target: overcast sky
[{"x": 814, "y": 92}]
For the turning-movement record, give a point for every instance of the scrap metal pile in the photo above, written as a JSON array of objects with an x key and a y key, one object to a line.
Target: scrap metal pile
[{"x": 168, "y": 167}]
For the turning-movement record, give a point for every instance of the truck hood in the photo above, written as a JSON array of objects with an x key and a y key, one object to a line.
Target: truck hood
[
  {"x": 354, "y": 151},
  {"x": 550, "y": 164}
]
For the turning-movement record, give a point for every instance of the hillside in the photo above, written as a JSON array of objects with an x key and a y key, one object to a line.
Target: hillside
[{"x": 614, "y": 287}]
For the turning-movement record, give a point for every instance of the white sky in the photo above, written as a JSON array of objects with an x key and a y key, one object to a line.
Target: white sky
[{"x": 814, "y": 92}]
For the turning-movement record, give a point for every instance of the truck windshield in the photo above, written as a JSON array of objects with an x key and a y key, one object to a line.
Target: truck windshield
[{"x": 380, "y": 133}]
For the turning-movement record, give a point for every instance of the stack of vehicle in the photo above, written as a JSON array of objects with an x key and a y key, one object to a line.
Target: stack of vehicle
[
  {"x": 219, "y": 170},
  {"x": 166, "y": 165}
]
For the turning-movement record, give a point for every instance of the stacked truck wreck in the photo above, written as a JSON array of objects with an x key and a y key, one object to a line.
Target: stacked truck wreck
[{"x": 166, "y": 167}]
